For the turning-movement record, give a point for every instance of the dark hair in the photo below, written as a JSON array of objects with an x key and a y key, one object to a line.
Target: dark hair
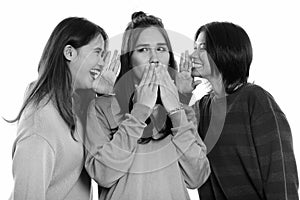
[
  {"x": 230, "y": 48},
  {"x": 55, "y": 78},
  {"x": 139, "y": 22}
]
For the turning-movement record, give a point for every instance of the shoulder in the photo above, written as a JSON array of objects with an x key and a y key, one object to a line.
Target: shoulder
[
  {"x": 259, "y": 99},
  {"x": 256, "y": 94},
  {"x": 44, "y": 121},
  {"x": 33, "y": 144},
  {"x": 255, "y": 91}
]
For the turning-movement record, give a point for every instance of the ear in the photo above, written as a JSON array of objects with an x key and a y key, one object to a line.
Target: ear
[{"x": 70, "y": 52}]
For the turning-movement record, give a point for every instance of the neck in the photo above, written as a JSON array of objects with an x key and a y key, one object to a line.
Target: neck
[{"x": 217, "y": 86}]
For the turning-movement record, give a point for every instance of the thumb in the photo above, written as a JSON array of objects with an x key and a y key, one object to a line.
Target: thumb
[{"x": 195, "y": 83}]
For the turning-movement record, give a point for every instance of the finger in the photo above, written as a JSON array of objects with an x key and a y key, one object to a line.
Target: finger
[
  {"x": 113, "y": 60},
  {"x": 106, "y": 59},
  {"x": 195, "y": 83},
  {"x": 186, "y": 60},
  {"x": 155, "y": 88},
  {"x": 158, "y": 74},
  {"x": 150, "y": 74},
  {"x": 153, "y": 82},
  {"x": 145, "y": 73},
  {"x": 181, "y": 62},
  {"x": 117, "y": 65},
  {"x": 166, "y": 79},
  {"x": 190, "y": 64}
]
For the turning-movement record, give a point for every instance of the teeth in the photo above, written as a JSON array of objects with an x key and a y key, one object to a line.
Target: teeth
[
  {"x": 95, "y": 73},
  {"x": 197, "y": 65}
]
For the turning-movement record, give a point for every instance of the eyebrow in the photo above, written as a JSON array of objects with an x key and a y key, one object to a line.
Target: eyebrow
[
  {"x": 200, "y": 43},
  {"x": 98, "y": 49},
  {"x": 147, "y": 45}
]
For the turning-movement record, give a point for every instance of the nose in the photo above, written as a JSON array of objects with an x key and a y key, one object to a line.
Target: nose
[
  {"x": 101, "y": 61},
  {"x": 153, "y": 57},
  {"x": 194, "y": 55}
]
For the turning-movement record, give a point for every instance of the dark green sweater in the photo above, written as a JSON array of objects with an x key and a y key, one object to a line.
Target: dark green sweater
[{"x": 253, "y": 157}]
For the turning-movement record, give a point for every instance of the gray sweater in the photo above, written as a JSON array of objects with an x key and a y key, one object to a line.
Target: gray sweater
[
  {"x": 47, "y": 161},
  {"x": 157, "y": 170}
]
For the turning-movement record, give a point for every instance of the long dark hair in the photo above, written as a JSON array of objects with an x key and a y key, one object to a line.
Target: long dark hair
[
  {"x": 55, "y": 80},
  {"x": 230, "y": 48},
  {"x": 125, "y": 85}
]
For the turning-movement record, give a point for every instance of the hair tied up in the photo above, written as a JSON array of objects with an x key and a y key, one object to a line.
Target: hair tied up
[{"x": 137, "y": 16}]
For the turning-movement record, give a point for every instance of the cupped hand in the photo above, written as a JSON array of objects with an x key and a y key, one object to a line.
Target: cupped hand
[
  {"x": 104, "y": 83},
  {"x": 184, "y": 80}
]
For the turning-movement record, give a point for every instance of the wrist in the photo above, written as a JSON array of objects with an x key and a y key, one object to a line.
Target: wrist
[
  {"x": 177, "y": 109},
  {"x": 178, "y": 118},
  {"x": 141, "y": 112}
]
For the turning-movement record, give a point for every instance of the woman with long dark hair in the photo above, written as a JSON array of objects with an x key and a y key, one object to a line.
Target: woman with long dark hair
[
  {"x": 159, "y": 152},
  {"x": 48, "y": 153}
]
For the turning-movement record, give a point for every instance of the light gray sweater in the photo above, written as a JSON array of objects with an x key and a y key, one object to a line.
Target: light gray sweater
[
  {"x": 160, "y": 170},
  {"x": 47, "y": 161}
]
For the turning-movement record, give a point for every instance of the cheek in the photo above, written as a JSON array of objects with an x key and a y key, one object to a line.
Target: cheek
[
  {"x": 138, "y": 60},
  {"x": 138, "y": 72},
  {"x": 164, "y": 58},
  {"x": 204, "y": 58}
]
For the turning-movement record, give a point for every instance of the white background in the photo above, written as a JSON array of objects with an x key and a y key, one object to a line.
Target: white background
[{"x": 273, "y": 27}]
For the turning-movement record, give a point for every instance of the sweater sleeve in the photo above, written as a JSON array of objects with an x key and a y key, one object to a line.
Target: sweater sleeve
[
  {"x": 33, "y": 164},
  {"x": 191, "y": 149},
  {"x": 108, "y": 159},
  {"x": 274, "y": 147}
]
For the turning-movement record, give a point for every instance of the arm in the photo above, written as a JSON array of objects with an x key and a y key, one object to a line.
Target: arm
[
  {"x": 191, "y": 149},
  {"x": 273, "y": 143},
  {"x": 108, "y": 160},
  {"x": 33, "y": 164}
]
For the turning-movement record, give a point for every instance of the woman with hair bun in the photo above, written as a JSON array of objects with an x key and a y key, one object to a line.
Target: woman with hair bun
[{"x": 160, "y": 153}]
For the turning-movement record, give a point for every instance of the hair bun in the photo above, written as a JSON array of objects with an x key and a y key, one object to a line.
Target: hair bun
[{"x": 137, "y": 15}]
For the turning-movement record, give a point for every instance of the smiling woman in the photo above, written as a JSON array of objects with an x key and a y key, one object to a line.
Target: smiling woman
[
  {"x": 252, "y": 156},
  {"x": 48, "y": 153},
  {"x": 86, "y": 62}
]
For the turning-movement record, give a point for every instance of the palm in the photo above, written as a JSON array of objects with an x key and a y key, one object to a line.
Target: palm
[
  {"x": 184, "y": 82},
  {"x": 104, "y": 84}
]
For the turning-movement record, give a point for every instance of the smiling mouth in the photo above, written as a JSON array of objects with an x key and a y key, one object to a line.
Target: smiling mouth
[
  {"x": 95, "y": 73},
  {"x": 197, "y": 64}
]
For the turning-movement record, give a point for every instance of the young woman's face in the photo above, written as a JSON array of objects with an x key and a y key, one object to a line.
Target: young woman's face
[
  {"x": 201, "y": 65},
  {"x": 150, "y": 47},
  {"x": 89, "y": 60}
]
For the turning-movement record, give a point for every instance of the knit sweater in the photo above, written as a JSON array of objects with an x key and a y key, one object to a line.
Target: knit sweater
[
  {"x": 157, "y": 170},
  {"x": 253, "y": 157},
  {"x": 47, "y": 161}
]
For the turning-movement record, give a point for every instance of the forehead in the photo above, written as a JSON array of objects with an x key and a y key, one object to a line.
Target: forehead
[
  {"x": 97, "y": 42},
  {"x": 151, "y": 35},
  {"x": 200, "y": 38}
]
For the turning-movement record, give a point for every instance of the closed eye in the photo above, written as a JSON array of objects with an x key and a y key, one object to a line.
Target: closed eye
[{"x": 100, "y": 52}]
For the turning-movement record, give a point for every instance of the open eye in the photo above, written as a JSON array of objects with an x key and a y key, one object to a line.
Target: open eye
[
  {"x": 202, "y": 46},
  {"x": 162, "y": 49},
  {"x": 141, "y": 50}
]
